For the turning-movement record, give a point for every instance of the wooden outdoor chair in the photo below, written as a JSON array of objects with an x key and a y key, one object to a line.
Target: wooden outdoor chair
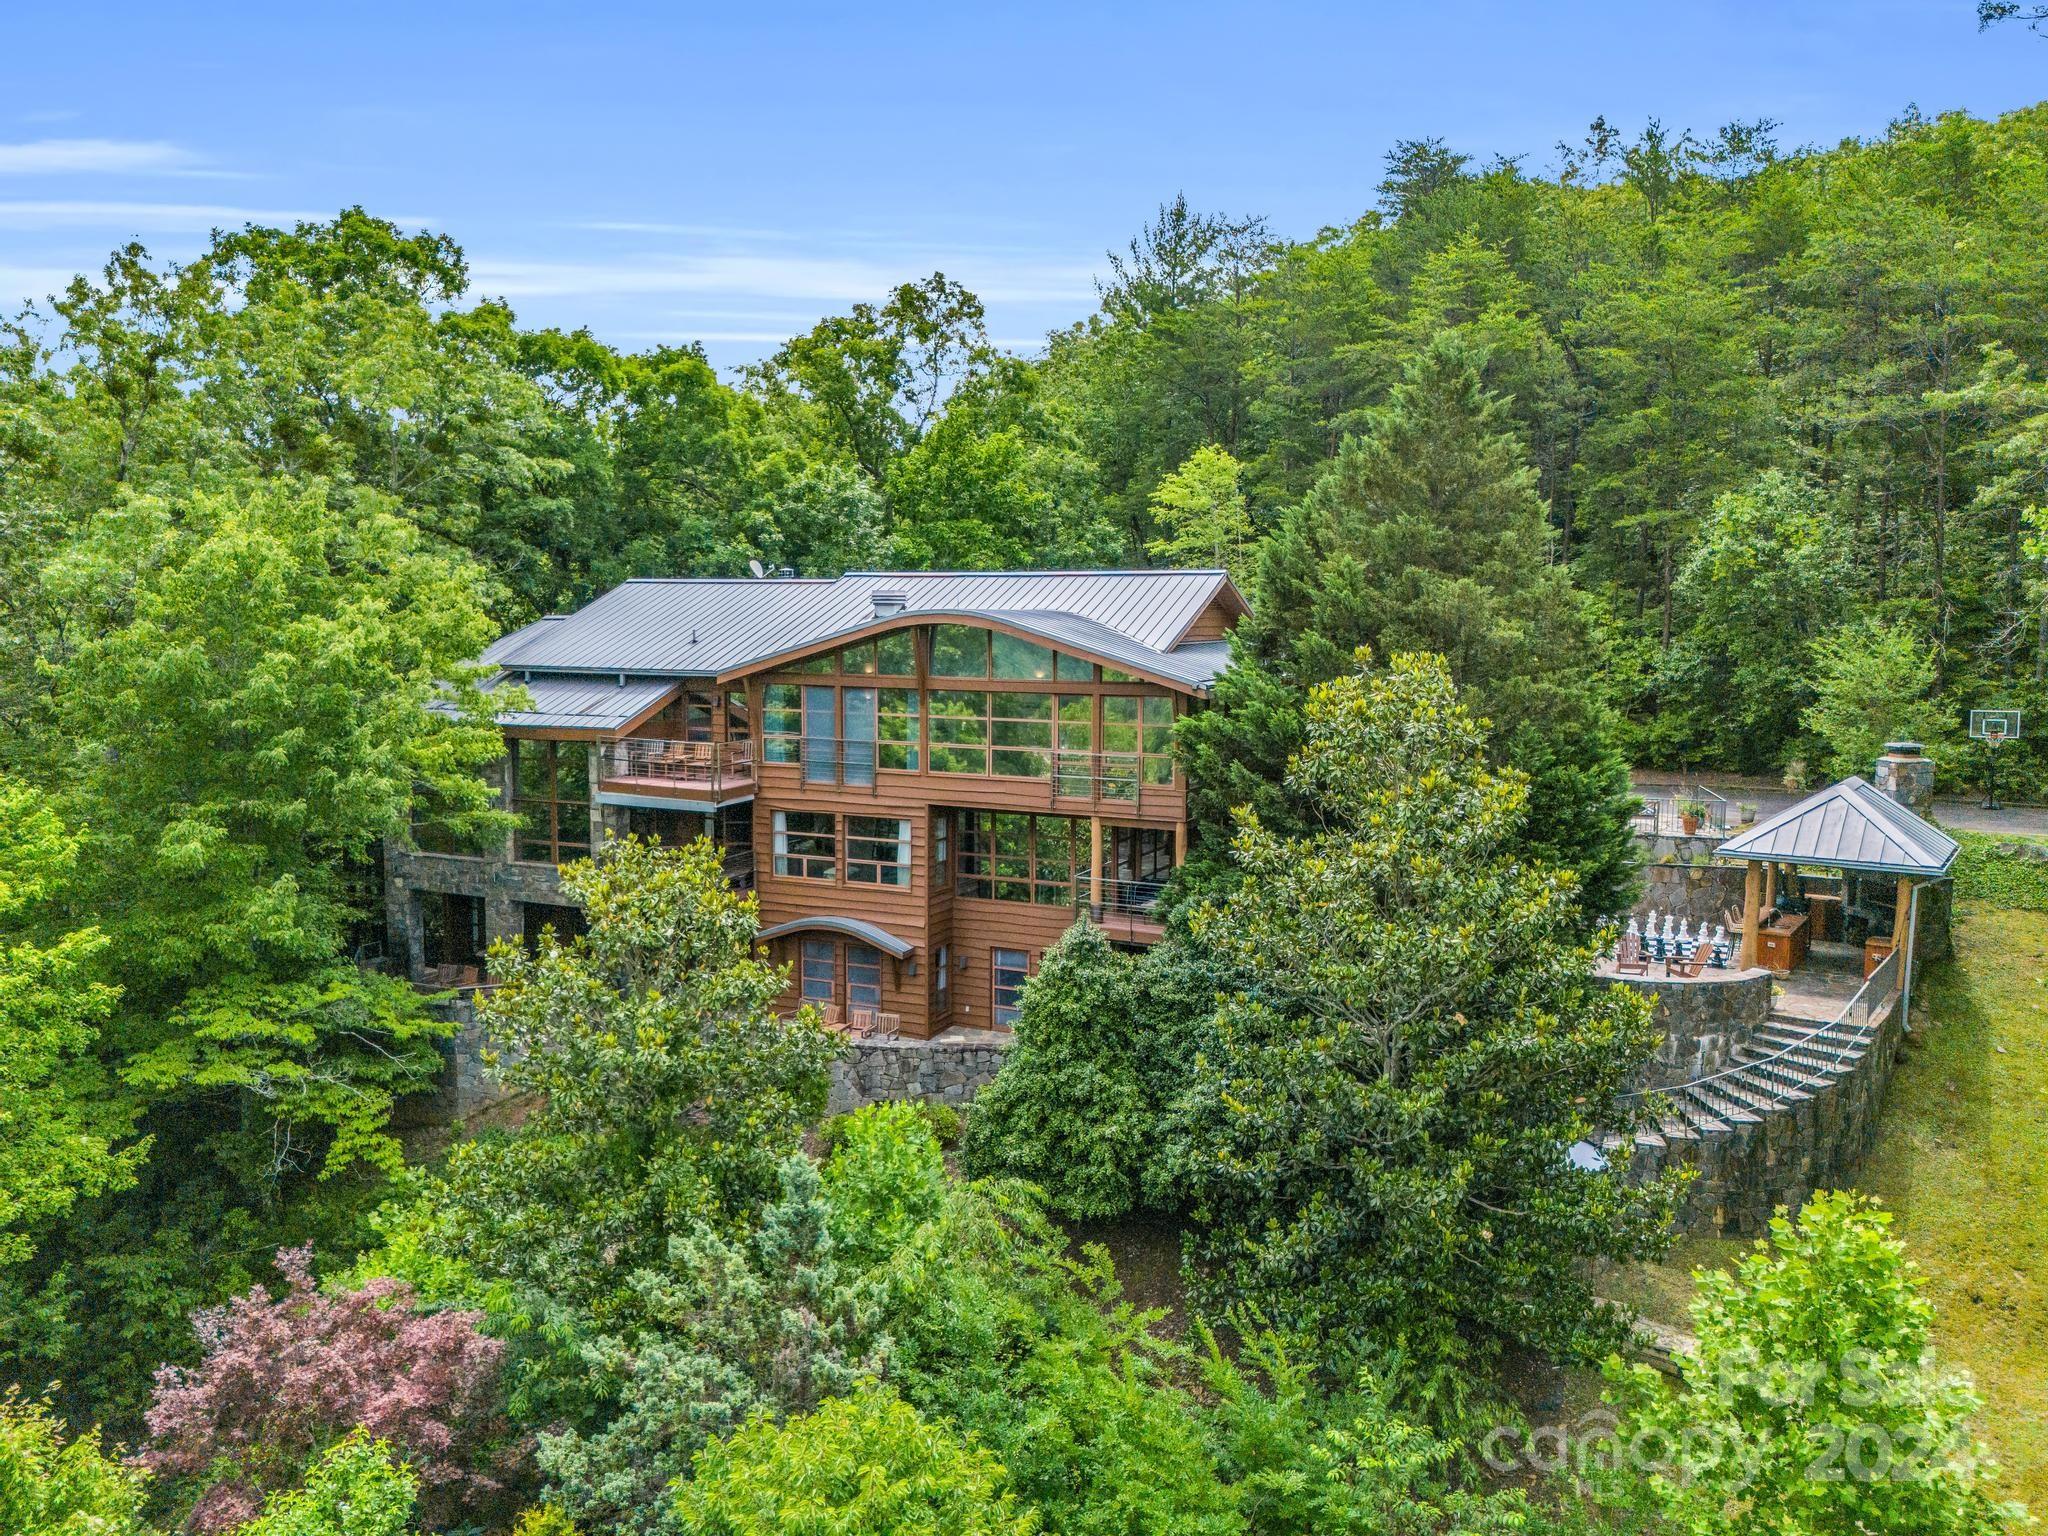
[
  {"x": 833, "y": 1021},
  {"x": 888, "y": 1025},
  {"x": 1629, "y": 960},
  {"x": 862, "y": 1023},
  {"x": 1689, "y": 970}
]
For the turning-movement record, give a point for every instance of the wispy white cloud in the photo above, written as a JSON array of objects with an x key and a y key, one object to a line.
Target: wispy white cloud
[
  {"x": 814, "y": 279},
  {"x": 19, "y": 283},
  {"x": 49, "y": 115},
  {"x": 153, "y": 218},
  {"x": 99, "y": 157}
]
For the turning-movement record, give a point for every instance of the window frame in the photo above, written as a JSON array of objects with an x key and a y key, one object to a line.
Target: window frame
[
  {"x": 551, "y": 805},
  {"x": 997, "y": 970},
  {"x": 808, "y": 864},
  {"x": 898, "y": 865}
]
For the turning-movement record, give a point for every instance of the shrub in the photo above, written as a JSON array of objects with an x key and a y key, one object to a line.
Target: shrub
[
  {"x": 1812, "y": 1403},
  {"x": 727, "y": 1329},
  {"x": 886, "y": 1177},
  {"x": 865, "y": 1465},
  {"x": 944, "y": 1122},
  {"x": 281, "y": 1379},
  {"x": 354, "y": 1489},
  {"x": 53, "y": 1487},
  {"x": 1068, "y": 1109}
]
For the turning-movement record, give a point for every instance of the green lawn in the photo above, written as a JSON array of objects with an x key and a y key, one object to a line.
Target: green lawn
[{"x": 1962, "y": 1159}]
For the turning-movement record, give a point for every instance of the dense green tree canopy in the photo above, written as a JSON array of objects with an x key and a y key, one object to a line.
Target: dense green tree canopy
[{"x": 1377, "y": 1129}]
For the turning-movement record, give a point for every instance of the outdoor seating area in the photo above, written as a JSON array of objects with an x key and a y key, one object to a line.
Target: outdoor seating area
[
  {"x": 862, "y": 1023},
  {"x": 716, "y": 767},
  {"x": 1671, "y": 944}
]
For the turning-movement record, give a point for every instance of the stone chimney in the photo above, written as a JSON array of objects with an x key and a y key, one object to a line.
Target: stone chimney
[{"x": 1906, "y": 773}]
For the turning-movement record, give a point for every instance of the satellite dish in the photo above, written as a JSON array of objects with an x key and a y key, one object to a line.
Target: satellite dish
[{"x": 756, "y": 567}]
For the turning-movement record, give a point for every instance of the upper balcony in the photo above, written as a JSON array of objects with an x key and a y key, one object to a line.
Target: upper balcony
[
  {"x": 1005, "y": 776},
  {"x": 708, "y": 771}
]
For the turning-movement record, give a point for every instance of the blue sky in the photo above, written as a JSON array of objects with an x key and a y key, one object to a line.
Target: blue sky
[{"x": 671, "y": 172}]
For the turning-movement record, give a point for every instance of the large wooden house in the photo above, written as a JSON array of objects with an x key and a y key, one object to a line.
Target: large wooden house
[{"x": 925, "y": 777}]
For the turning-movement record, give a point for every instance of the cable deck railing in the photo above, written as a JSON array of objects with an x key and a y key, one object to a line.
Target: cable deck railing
[{"x": 1840, "y": 1040}]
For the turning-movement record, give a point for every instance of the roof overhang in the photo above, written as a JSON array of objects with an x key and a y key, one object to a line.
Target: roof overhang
[
  {"x": 846, "y": 927},
  {"x": 1021, "y": 625}
]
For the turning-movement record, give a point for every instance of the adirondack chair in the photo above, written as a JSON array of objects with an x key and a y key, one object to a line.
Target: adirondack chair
[
  {"x": 1629, "y": 960},
  {"x": 1689, "y": 970}
]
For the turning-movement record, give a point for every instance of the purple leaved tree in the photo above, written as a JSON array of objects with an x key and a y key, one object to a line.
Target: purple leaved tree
[{"x": 285, "y": 1377}]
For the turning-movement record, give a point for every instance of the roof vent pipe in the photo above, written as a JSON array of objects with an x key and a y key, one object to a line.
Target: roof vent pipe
[{"x": 890, "y": 601}]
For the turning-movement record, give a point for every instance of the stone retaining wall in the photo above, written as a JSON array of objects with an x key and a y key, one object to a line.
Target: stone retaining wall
[
  {"x": 1697, "y": 892},
  {"x": 1703, "y": 1020},
  {"x": 1744, "y": 1173},
  {"x": 942, "y": 1070},
  {"x": 867, "y": 1072}
]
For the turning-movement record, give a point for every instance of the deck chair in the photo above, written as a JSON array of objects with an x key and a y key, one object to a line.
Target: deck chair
[
  {"x": 1629, "y": 960},
  {"x": 861, "y": 1023},
  {"x": 888, "y": 1025},
  {"x": 1689, "y": 970}
]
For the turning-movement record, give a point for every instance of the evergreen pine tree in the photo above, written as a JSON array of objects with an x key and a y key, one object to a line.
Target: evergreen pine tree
[{"x": 1427, "y": 534}]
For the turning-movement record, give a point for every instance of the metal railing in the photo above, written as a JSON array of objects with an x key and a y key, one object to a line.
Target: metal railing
[
  {"x": 1837, "y": 1040},
  {"x": 712, "y": 766},
  {"x": 1113, "y": 776},
  {"x": 1120, "y": 898},
  {"x": 1118, "y": 777},
  {"x": 1664, "y": 814}
]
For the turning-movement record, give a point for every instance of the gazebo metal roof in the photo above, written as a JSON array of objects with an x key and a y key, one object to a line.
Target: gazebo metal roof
[{"x": 1850, "y": 825}]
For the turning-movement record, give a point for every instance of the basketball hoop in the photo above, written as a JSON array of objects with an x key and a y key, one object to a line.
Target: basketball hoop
[{"x": 1993, "y": 727}]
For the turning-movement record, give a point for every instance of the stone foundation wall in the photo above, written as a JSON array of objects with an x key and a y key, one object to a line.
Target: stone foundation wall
[
  {"x": 504, "y": 886},
  {"x": 1703, "y": 1021},
  {"x": 1662, "y": 848},
  {"x": 464, "y": 1089},
  {"x": 942, "y": 1070},
  {"x": 1747, "y": 1171},
  {"x": 868, "y": 1072}
]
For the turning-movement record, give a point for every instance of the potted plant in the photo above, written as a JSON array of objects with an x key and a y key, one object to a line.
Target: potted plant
[{"x": 1691, "y": 812}]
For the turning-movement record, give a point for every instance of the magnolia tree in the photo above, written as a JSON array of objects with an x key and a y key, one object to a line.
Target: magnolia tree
[
  {"x": 283, "y": 1378},
  {"x": 1377, "y": 1132},
  {"x": 667, "y": 1088}
]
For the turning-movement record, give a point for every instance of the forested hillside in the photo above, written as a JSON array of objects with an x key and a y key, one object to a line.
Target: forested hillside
[{"x": 1699, "y": 451}]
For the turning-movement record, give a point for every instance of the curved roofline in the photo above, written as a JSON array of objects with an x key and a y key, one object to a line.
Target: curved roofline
[
  {"x": 1007, "y": 621},
  {"x": 848, "y": 927}
]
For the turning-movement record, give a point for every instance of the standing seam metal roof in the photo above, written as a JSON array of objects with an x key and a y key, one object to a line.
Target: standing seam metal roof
[
  {"x": 1850, "y": 825},
  {"x": 702, "y": 628},
  {"x": 581, "y": 703}
]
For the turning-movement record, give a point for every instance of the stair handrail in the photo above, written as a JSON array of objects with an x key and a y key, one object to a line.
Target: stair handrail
[{"x": 1784, "y": 1050}]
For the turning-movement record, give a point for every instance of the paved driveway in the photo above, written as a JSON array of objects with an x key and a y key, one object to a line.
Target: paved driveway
[{"x": 1769, "y": 799}]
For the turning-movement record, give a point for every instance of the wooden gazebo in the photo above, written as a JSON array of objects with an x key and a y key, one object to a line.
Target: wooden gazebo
[{"x": 1851, "y": 826}]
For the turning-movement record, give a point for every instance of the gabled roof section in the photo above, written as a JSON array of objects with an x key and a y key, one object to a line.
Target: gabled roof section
[
  {"x": 1850, "y": 825},
  {"x": 693, "y": 627}
]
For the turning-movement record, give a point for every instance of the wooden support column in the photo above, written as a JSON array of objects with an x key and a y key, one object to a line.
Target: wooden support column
[
  {"x": 1180, "y": 844},
  {"x": 1770, "y": 886},
  {"x": 1095, "y": 868},
  {"x": 1752, "y": 906},
  {"x": 1901, "y": 914}
]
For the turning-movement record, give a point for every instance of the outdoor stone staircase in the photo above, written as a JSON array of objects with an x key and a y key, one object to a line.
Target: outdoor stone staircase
[{"x": 1793, "y": 1111}]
